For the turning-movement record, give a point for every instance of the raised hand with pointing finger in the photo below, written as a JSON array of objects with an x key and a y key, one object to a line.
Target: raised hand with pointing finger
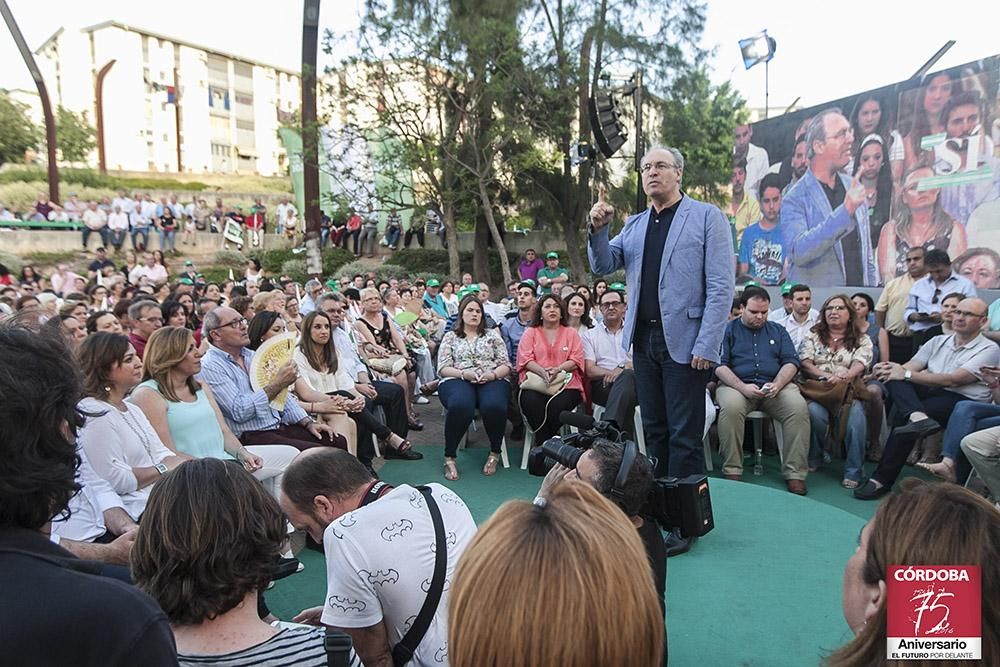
[
  {"x": 856, "y": 195},
  {"x": 602, "y": 212}
]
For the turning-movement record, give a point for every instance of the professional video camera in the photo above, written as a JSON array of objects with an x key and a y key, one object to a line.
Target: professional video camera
[{"x": 673, "y": 503}]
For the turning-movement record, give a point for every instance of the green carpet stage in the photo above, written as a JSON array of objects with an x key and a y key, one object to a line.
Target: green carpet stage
[{"x": 762, "y": 589}]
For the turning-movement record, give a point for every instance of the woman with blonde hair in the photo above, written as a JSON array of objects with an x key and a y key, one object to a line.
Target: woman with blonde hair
[
  {"x": 589, "y": 599},
  {"x": 921, "y": 524},
  {"x": 185, "y": 416},
  {"x": 384, "y": 350},
  {"x": 274, "y": 301}
]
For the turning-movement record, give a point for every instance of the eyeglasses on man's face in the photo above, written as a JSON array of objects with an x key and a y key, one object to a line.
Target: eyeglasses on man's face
[
  {"x": 235, "y": 324},
  {"x": 658, "y": 166},
  {"x": 612, "y": 304}
]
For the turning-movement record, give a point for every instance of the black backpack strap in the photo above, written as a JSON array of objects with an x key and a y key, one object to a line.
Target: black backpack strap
[
  {"x": 338, "y": 648},
  {"x": 404, "y": 650}
]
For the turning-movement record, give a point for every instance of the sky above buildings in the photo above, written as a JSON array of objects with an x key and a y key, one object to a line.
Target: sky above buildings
[{"x": 824, "y": 51}]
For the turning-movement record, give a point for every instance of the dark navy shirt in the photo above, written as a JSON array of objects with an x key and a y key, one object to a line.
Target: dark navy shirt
[
  {"x": 652, "y": 256},
  {"x": 756, "y": 355}
]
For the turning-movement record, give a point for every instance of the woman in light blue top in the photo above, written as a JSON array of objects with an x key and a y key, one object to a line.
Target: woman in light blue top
[{"x": 184, "y": 413}]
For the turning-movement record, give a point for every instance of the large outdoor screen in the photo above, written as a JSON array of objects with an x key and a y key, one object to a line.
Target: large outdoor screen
[{"x": 842, "y": 195}]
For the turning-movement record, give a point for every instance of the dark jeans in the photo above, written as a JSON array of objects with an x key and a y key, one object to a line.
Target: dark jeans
[
  {"x": 619, "y": 399},
  {"x": 409, "y": 236},
  {"x": 367, "y": 424},
  {"x": 541, "y": 411},
  {"x": 461, "y": 398},
  {"x": 347, "y": 238},
  {"x": 290, "y": 434},
  {"x": 102, "y": 232},
  {"x": 908, "y": 398},
  {"x": 967, "y": 417},
  {"x": 117, "y": 238},
  {"x": 392, "y": 237},
  {"x": 142, "y": 233},
  {"x": 672, "y": 398},
  {"x": 900, "y": 348}
]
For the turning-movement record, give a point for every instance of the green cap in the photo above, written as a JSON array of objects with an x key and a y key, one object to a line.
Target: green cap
[
  {"x": 751, "y": 283},
  {"x": 433, "y": 282},
  {"x": 618, "y": 287},
  {"x": 552, "y": 255},
  {"x": 332, "y": 284},
  {"x": 186, "y": 281},
  {"x": 786, "y": 288},
  {"x": 527, "y": 282},
  {"x": 189, "y": 263}
]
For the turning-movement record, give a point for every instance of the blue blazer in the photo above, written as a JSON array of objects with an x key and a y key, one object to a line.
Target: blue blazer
[
  {"x": 812, "y": 229},
  {"x": 696, "y": 282}
]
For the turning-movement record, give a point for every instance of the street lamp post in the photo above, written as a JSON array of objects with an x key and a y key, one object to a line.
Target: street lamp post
[{"x": 43, "y": 94}]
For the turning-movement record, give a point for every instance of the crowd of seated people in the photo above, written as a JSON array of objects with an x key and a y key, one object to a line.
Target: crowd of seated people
[{"x": 164, "y": 386}]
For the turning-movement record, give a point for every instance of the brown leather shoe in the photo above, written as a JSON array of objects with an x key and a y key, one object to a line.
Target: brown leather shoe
[
  {"x": 796, "y": 486},
  {"x": 734, "y": 478}
]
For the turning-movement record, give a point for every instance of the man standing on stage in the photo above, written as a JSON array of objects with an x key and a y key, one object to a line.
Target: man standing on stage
[{"x": 678, "y": 260}]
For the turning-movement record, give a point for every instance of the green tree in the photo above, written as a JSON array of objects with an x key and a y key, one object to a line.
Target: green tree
[
  {"x": 17, "y": 132},
  {"x": 699, "y": 119},
  {"x": 576, "y": 41},
  {"x": 74, "y": 135}
]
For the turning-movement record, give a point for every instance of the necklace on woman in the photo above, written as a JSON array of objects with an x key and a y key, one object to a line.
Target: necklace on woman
[{"x": 137, "y": 430}]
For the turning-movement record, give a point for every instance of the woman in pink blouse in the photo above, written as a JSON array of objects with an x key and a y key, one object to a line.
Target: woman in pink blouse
[
  {"x": 473, "y": 366},
  {"x": 547, "y": 347}
]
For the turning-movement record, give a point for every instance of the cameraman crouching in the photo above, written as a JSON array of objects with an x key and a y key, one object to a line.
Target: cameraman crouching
[{"x": 598, "y": 466}]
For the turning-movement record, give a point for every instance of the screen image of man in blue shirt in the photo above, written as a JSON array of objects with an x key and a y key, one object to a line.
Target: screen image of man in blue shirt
[{"x": 758, "y": 365}]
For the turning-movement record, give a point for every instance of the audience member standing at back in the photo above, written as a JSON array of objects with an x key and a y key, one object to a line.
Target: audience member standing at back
[{"x": 678, "y": 260}]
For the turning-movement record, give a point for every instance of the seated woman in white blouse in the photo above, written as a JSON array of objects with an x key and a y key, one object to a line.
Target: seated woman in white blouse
[
  {"x": 324, "y": 380},
  {"x": 121, "y": 444},
  {"x": 473, "y": 365},
  {"x": 184, "y": 413}
]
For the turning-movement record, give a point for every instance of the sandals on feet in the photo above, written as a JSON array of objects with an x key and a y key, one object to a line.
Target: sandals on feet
[
  {"x": 943, "y": 470},
  {"x": 450, "y": 470},
  {"x": 850, "y": 483},
  {"x": 491, "y": 464}
]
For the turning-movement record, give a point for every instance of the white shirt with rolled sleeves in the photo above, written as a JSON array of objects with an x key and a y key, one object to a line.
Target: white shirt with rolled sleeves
[
  {"x": 380, "y": 561},
  {"x": 926, "y": 297},
  {"x": 86, "y": 509},
  {"x": 116, "y": 442}
]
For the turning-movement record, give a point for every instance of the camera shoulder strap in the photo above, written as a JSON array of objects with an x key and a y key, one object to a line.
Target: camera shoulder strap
[{"x": 407, "y": 646}]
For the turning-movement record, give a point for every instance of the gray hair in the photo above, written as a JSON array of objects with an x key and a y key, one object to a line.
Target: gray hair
[
  {"x": 329, "y": 296},
  {"x": 674, "y": 153},
  {"x": 816, "y": 131},
  {"x": 210, "y": 323},
  {"x": 311, "y": 283},
  {"x": 135, "y": 310}
]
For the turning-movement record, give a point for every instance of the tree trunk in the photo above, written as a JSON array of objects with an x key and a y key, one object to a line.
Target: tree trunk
[
  {"x": 451, "y": 232},
  {"x": 484, "y": 198},
  {"x": 480, "y": 253}
]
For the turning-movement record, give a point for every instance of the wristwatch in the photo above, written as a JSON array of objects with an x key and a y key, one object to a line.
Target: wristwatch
[
  {"x": 621, "y": 366},
  {"x": 160, "y": 468},
  {"x": 908, "y": 375}
]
